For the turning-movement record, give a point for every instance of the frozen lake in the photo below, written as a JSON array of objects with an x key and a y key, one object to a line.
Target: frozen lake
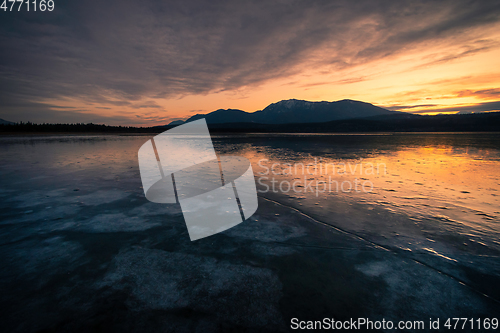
[{"x": 399, "y": 226}]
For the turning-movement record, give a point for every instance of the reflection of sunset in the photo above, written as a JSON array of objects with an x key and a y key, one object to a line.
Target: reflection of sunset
[{"x": 457, "y": 183}]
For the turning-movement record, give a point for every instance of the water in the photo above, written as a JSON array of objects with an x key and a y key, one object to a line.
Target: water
[{"x": 72, "y": 209}]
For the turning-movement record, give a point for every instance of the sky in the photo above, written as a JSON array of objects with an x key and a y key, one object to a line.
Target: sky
[{"x": 149, "y": 62}]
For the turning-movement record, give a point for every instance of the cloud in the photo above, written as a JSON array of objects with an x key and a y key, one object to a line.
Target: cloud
[
  {"x": 479, "y": 107},
  {"x": 146, "y": 105},
  {"x": 483, "y": 93},
  {"x": 457, "y": 54},
  {"x": 39, "y": 113},
  {"x": 124, "y": 52},
  {"x": 405, "y": 107}
]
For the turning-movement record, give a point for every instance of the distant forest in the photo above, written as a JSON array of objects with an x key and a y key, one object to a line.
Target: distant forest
[
  {"x": 29, "y": 127},
  {"x": 478, "y": 122}
]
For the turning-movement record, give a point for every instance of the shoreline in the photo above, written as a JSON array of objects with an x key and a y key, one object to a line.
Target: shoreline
[{"x": 9, "y": 134}]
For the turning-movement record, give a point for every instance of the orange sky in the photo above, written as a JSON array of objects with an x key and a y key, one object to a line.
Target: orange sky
[
  {"x": 147, "y": 67},
  {"x": 436, "y": 76}
]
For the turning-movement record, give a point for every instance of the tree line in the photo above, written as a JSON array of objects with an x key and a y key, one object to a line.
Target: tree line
[{"x": 77, "y": 127}]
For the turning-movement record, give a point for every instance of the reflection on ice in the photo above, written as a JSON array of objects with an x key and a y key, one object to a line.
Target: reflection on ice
[
  {"x": 425, "y": 190},
  {"x": 80, "y": 240}
]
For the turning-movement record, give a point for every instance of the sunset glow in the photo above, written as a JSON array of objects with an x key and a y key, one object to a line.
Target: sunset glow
[{"x": 433, "y": 59}]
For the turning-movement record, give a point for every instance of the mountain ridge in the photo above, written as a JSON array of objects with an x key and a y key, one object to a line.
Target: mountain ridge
[
  {"x": 6, "y": 122},
  {"x": 296, "y": 111}
]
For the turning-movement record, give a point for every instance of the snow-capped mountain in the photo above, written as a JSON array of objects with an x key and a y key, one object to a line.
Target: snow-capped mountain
[{"x": 297, "y": 111}]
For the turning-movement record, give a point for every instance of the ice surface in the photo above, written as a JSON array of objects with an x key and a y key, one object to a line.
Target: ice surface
[{"x": 82, "y": 249}]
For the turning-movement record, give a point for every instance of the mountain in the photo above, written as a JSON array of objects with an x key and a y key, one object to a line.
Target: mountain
[
  {"x": 475, "y": 122},
  {"x": 297, "y": 111},
  {"x": 5, "y": 122},
  {"x": 226, "y": 116},
  {"x": 176, "y": 123}
]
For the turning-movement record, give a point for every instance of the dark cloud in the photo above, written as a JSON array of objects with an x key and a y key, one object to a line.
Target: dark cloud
[
  {"x": 479, "y": 107},
  {"x": 460, "y": 53},
  {"x": 146, "y": 105},
  {"x": 483, "y": 93},
  {"x": 406, "y": 107},
  {"x": 120, "y": 52}
]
